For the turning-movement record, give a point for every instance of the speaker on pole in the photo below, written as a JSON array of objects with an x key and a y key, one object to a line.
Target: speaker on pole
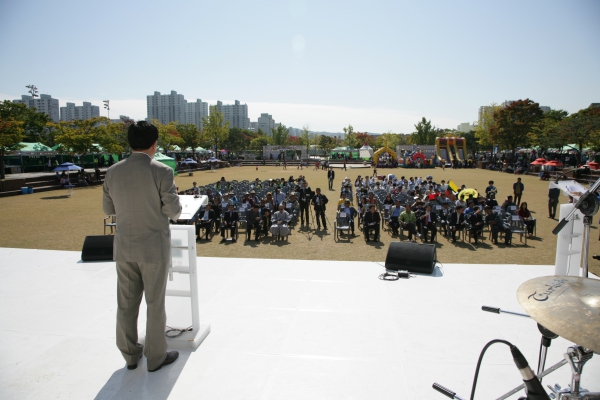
[
  {"x": 98, "y": 248},
  {"x": 411, "y": 257}
]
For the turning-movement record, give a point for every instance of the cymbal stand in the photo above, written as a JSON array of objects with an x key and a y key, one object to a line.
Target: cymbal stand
[{"x": 576, "y": 356}]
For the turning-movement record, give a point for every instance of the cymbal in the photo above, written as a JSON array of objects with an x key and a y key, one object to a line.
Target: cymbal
[{"x": 567, "y": 305}]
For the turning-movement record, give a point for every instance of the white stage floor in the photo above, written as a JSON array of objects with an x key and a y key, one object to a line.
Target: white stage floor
[{"x": 281, "y": 329}]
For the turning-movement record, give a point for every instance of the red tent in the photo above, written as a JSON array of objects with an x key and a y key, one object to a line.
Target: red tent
[
  {"x": 539, "y": 161},
  {"x": 554, "y": 163},
  {"x": 593, "y": 165}
]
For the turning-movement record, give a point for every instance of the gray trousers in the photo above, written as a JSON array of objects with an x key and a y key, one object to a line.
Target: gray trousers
[{"x": 133, "y": 278}]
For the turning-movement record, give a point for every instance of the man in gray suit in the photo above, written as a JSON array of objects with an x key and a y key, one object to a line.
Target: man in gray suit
[{"x": 142, "y": 194}]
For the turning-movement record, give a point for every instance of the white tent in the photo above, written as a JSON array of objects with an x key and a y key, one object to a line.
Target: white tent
[{"x": 366, "y": 151}]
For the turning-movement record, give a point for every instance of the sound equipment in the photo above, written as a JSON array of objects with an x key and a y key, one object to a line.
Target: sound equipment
[
  {"x": 98, "y": 248},
  {"x": 412, "y": 257}
]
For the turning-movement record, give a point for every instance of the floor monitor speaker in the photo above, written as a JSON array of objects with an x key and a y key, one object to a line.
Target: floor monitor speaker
[
  {"x": 98, "y": 248},
  {"x": 412, "y": 257}
]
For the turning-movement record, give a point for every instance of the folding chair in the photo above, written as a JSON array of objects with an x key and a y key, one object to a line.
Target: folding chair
[
  {"x": 112, "y": 224},
  {"x": 341, "y": 225}
]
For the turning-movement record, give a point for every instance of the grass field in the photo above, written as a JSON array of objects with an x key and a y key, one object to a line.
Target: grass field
[{"x": 52, "y": 220}]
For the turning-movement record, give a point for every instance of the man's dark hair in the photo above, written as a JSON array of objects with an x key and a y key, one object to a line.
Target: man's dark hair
[{"x": 142, "y": 135}]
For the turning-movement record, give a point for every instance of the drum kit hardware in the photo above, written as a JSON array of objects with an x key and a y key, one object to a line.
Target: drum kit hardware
[{"x": 565, "y": 306}]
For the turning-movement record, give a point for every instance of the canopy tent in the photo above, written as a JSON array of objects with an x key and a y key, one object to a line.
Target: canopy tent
[
  {"x": 366, "y": 152},
  {"x": 167, "y": 161},
  {"x": 35, "y": 149},
  {"x": 382, "y": 151}
]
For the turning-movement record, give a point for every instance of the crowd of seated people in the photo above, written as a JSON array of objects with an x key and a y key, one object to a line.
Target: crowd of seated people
[
  {"x": 420, "y": 208},
  {"x": 272, "y": 206}
]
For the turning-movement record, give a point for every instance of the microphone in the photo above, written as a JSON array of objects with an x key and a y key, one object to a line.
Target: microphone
[{"x": 535, "y": 390}]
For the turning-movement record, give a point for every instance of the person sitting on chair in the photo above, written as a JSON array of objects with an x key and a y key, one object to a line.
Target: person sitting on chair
[
  {"x": 230, "y": 221},
  {"x": 476, "y": 222},
  {"x": 408, "y": 219},
  {"x": 280, "y": 222},
  {"x": 205, "y": 220},
  {"x": 508, "y": 203},
  {"x": 456, "y": 222},
  {"x": 394, "y": 215},
  {"x": 497, "y": 225},
  {"x": 265, "y": 217},
  {"x": 372, "y": 221},
  {"x": 528, "y": 220},
  {"x": 351, "y": 213},
  {"x": 428, "y": 221},
  {"x": 253, "y": 221}
]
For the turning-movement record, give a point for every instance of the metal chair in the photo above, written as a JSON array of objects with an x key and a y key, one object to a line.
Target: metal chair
[
  {"x": 341, "y": 225},
  {"x": 112, "y": 224}
]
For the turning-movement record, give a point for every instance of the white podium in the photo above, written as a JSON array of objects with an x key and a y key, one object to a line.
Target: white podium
[
  {"x": 569, "y": 243},
  {"x": 182, "y": 302}
]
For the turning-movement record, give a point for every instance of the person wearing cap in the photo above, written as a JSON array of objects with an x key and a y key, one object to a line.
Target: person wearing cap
[
  {"x": 247, "y": 200},
  {"x": 253, "y": 221},
  {"x": 371, "y": 222},
  {"x": 205, "y": 220},
  {"x": 230, "y": 221},
  {"x": 254, "y": 197},
  {"x": 408, "y": 220}
]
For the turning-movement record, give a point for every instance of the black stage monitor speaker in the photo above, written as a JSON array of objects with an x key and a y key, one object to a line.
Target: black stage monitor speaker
[
  {"x": 98, "y": 248},
  {"x": 411, "y": 257}
]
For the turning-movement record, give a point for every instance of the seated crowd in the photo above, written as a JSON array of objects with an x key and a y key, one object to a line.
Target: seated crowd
[
  {"x": 272, "y": 206},
  {"x": 422, "y": 207}
]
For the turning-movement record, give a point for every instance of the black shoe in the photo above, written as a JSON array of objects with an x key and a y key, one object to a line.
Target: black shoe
[{"x": 171, "y": 357}]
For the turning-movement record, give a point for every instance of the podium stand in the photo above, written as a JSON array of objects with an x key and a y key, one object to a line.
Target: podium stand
[
  {"x": 569, "y": 243},
  {"x": 182, "y": 303}
]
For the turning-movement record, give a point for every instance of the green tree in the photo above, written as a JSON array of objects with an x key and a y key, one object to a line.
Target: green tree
[
  {"x": 11, "y": 135},
  {"x": 280, "y": 135},
  {"x": 190, "y": 136},
  {"x": 305, "y": 137},
  {"x": 326, "y": 143},
  {"x": 258, "y": 142},
  {"x": 239, "y": 139},
  {"x": 350, "y": 138},
  {"x": 425, "y": 134},
  {"x": 216, "y": 130},
  {"x": 81, "y": 137},
  {"x": 168, "y": 137},
  {"x": 546, "y": 134},
  {"x": 485, "y": 124},
  {"x": 581, "y": 128},
  {"x": 514, "y": 123}
]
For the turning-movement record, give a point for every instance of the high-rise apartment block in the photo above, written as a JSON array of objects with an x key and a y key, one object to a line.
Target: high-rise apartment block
[
  {"x": 195, "y": 111},
  {"x": 266, "y": 123},
  {"x": 236, "y": 114},
  {"x": 175, "y": 108},
  {"x": 166, "y": 107},
  {"x": 45, "y": 104},
  {"x": 72, "y": 112}
]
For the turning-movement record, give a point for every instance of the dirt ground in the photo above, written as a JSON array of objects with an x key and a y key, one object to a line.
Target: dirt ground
[{"x": 52, "y": 220}]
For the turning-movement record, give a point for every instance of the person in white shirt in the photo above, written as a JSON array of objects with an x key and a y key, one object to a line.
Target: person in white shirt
[{"x": 280, "y": 221}]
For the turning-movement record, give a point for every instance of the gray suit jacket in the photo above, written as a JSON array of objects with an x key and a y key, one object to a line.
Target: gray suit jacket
[{"x": 142, "y": 194}]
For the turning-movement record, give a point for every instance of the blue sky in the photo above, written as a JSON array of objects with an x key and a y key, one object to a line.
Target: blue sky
[{"x": 378, "y": 65}]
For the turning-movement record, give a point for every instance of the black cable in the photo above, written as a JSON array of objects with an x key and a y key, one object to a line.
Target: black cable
[
  {"x": 180, "y": 331},
  {"x": 481, "y": 358}
]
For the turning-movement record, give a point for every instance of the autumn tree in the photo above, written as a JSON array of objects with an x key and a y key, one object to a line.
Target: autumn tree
[
  {"x": 168, "y": 137},
  {"x": 216, "y": 130},
  {"x": 239, "y": 139},
  {"x": 11, "y": 131},
  {"x": 81, "y": 137},
  {"x": 190, "y": 136},
  {"x": 514, "y": 123},
  {"x": 364, "y": 137},
  {"x": 425, "y": 134}
]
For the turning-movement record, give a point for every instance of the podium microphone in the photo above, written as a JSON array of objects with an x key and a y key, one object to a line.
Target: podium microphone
[{"x": 535, "y": 390}]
